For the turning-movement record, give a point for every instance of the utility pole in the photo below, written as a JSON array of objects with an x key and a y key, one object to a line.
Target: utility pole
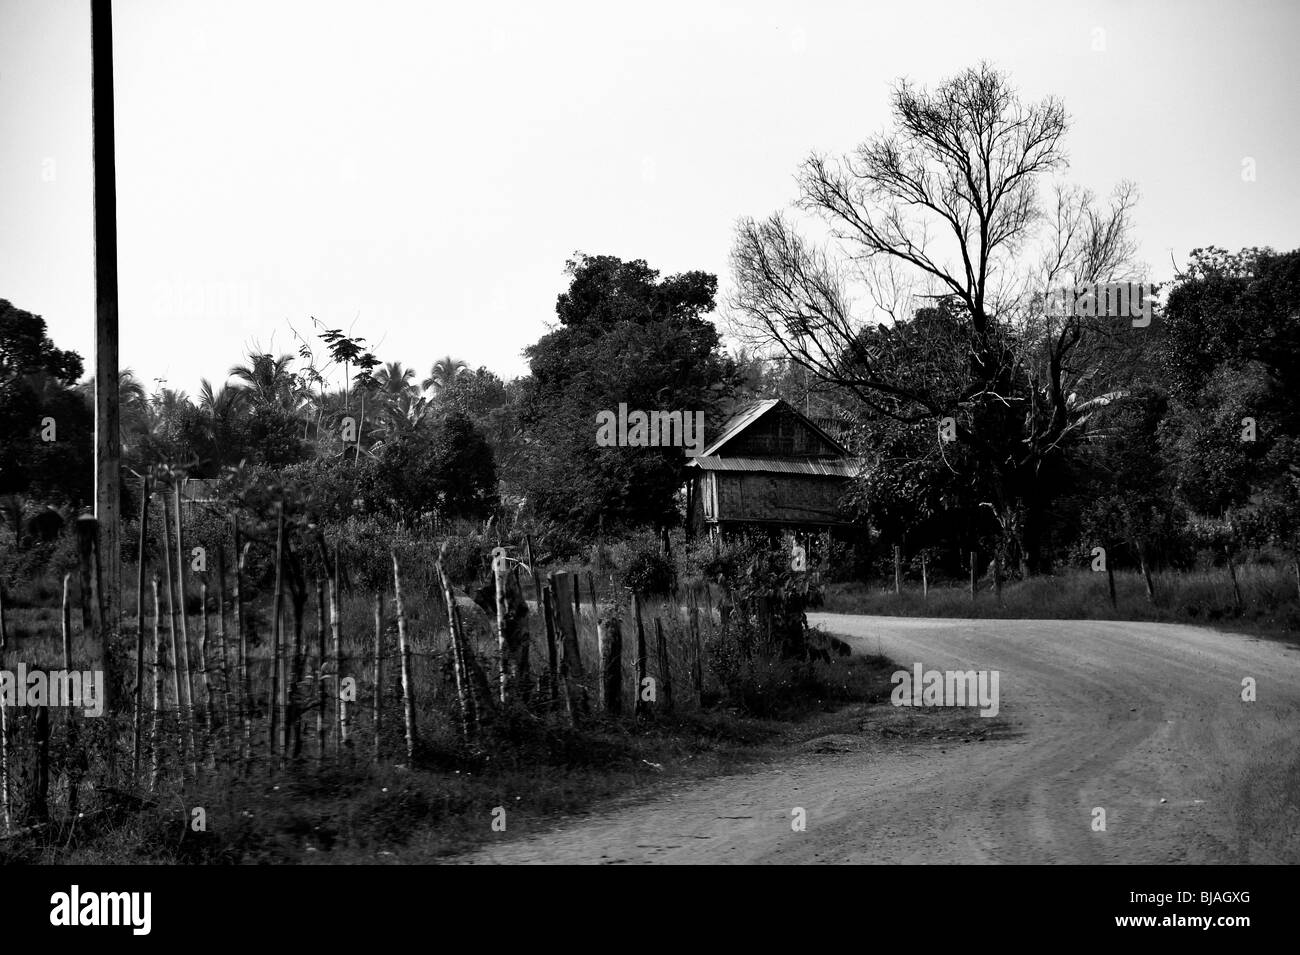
[{"x": 108, "y": 440}]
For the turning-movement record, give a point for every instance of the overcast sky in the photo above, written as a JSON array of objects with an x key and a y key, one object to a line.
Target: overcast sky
[{"x": 425, "y": 169}]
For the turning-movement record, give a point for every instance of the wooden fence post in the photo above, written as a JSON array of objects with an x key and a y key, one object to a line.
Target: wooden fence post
[
  {"x": 404, "y": 649},
  {"x": 94, "y": 608},
  {"x": 155, "y": 734},
  {"x": 665, "y": 675},
  {"x": 378, "y": 712},
  {"x": 460, "y": 665},
  {"x": 205, "y": 679},
  {"x": 639, "y": 703},
  {"x": 86, "y": 533},
  {"x": 697, "y": 671},
  {"x": 1232, "y": 572},
  {"x": 1146, "y": 573},
  {"x": 4, "y": 736},
  {"x": 925, "y": 578},
  {"x": 552, "y": 645},
  {"x": 609, "y": 635},
  {"x": 407, "y": 677},
  {"x": 336, "y": 626},
  {"x": 138, "y": 694},
  {"x": 277, "y": 612},
  {"x": 227, "y": 742},
  {"x": 70, "y": 743},
  {"x": 898, "y": 569},
  {"x": 67, "y": 624},
  {"x": 171, "y": 627},
  {"x": 40, "y": 799},
  {"x": 554, "y": 602},
  {"x": 499, "y": 581},
  {"x": 241, "y": 640},
  {"x": 322, "y": 653},
  {"x": 997, "y": 574},
  {"x": 4, "y": 758},
  {"x": 184, "y": 662},
  {"x": 972, "y": 575},
  {"x": 564, "y": 584}
]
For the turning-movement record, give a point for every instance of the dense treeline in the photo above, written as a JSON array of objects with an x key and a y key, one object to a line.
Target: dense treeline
[
  {"x": 1157, "y": 440},
  {"x": 1162, "y": 465}
]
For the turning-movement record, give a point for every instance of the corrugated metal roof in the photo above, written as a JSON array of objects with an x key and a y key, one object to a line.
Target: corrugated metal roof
[{"x": 825, "y": 467}]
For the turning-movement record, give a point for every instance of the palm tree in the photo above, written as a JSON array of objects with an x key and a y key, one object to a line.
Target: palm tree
[
  {"x": 394, "y": 380},
  {"x": 165, "y": 409},
  {"x": 403, "y": 414},
  {"x": 131, "y": 397},
  {"x": 220, "y": 405},
  {"x": 268, "y": 379},
  {"x": 132, "y": 401},
  {"x": 443, "y": 374}
]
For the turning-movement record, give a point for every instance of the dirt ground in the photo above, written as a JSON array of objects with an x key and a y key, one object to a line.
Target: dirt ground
[{"x": 1145, "y": 721}]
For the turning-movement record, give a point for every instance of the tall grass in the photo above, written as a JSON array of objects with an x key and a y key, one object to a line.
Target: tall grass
[
  {"x": 1269, "y": 601},
  {"x": 266, "y": 810}
]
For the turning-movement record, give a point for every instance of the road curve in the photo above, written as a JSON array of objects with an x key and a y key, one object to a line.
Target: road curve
[{"x": 1145, "y": 721}]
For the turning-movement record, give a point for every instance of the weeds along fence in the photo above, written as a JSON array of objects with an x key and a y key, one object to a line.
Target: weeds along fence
[{"x": 215, "y": 680}]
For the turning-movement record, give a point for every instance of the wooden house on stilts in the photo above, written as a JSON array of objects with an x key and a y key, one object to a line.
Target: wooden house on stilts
[{"x": 770, "y": 469}]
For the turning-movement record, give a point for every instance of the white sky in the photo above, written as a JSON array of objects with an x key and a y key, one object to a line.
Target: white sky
[{"x": 426, "y": 169}]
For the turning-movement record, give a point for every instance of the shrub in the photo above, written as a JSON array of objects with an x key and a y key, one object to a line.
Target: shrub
[{"x": 645, "y": 570}]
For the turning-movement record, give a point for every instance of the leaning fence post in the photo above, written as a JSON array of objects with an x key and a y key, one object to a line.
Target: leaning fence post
[{"x": 459, "y": 664}]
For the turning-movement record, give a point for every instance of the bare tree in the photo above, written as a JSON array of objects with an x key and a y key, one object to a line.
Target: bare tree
[{"x": 942, "y": 212}]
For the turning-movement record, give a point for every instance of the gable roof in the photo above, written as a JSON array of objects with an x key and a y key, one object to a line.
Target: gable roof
[{"x": 747, "y": 416}]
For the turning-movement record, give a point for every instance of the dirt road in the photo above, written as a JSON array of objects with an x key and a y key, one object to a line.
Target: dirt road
[{"x": 1145, "y": 721}]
